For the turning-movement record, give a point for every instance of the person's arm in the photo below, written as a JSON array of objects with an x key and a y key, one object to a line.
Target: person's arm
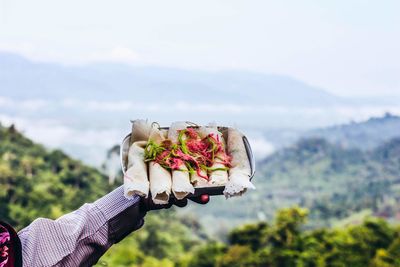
[{"x": 80, "y": 238}]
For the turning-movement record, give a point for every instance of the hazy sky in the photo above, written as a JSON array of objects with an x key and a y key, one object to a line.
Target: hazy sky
[{"x": 346, "y": 47}]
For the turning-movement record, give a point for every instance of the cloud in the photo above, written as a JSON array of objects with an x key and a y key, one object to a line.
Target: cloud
[
  {"x": 23, "y": 105},
  {"x": 261, "y": 147},
  {"x": 335, "y": 114},
  {"x": 119, "y": 54},
  {"x": 23, "y": 48},
  {"x": 88, "y": 133},
  {"x": 36, "y": 52},
  {"x": 54, "y": 133},
  {"x": 338, "y": 112}
]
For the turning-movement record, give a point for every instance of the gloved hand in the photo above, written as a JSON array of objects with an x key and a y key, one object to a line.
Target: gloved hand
[
  {"x": 121, "y": 227},
  {"x": 147, "y": 204}
]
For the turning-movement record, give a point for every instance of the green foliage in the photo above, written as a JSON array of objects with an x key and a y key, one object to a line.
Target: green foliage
[
  {"x": 287, "y": 243},
  {"x": 237, "y": 256},
  {"x": 250, "y": 235},
  {"x": 331, "y": 181},
  {"x": 208, "y": 255},
  {"x": 35, "y": 182}
]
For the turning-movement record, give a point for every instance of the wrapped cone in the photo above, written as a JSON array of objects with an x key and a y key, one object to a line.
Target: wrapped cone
[
  {"x": 240, "y": 171},
  {"x": 181, "y": 186}
]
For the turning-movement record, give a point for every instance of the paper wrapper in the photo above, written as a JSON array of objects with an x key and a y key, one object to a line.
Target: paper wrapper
[
  {"x": 160, "y": 183},
  {"x": 240, "y": 172},
  {"x": 160, "y": 178},
  {"x": 218, "y": 177},
  {"x": 135, "y": 178},
  {"x": 199, "y": 181},
  {"x": 181, "y": 186}
]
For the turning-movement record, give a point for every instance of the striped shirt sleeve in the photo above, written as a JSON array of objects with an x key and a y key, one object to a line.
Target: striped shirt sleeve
[{"x": 80, "y": 238}]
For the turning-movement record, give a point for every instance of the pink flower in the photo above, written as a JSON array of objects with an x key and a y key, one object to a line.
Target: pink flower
[
  {"x": 4, "y": 237},
  {"x": 4, "y": 251},
  {"x": 4, "y": 255},
  {"x": 4, "y": 262}
]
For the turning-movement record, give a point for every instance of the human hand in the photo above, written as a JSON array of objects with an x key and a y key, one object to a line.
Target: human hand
[
  {"x": 148, "y": 204},
  {"x": 139, "y": 210}
]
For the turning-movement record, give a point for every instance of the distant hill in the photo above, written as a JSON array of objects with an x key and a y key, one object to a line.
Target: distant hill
[
  {"x": 86, "y": 109},
  {"x": 332, "y": 181},
  {"x": 363, "y": 135},
  {"x": 23, "y": 79}
]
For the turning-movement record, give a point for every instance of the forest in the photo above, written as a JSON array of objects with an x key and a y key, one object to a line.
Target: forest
[
  {"x": 37, "y": 182},
  {"x": 336, "y": 184}
]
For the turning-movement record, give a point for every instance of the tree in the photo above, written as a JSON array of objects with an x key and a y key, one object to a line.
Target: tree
[
  {"x": 252, "y": 235},
  {"x": 207, "y": 255}
]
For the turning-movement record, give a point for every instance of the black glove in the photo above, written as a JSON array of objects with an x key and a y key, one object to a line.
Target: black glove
[
  {"x": 131, "y": 219},
  {"x": 147, "y": 204}
]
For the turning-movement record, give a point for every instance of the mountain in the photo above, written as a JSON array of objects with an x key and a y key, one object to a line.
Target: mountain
[
  {"x": 86, "y": 109},
  {"x": 364, "y": 135},
  {"x": 331, "y": 181},
  {"x": 23, "y": 79}
]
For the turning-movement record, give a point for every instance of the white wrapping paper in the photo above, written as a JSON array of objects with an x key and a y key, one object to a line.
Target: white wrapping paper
[
  {"x": 160, "y": 178},
  {"x": 240, "y": 172},
  {"x": 160, "y": 183},
  {"x": 135, "y": 179},
  {"x": 181, "y": 186},
  {"x": 218, "y": 177}
]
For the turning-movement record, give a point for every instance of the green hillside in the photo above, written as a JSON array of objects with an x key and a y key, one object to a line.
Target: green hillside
[
  {"x": 285, "y": 243},
  {"x": 332, "y": 182},
  {"x": 36, "y": 182}
]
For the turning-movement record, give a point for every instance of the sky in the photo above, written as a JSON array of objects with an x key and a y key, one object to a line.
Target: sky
[{"x": 345, "y": 47}]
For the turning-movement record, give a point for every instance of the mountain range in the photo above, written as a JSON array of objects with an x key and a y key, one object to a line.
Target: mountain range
[
  {"x": 338, "y": 185},
  {"x": 364, "y": 135},
  {"x": 25, "y": 79},
  {"x": 340, "y": 173},
  {"x": 86, "y": 109}
]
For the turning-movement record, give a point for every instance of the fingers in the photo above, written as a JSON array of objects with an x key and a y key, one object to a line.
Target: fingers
[
  {"x": 149, "y": 204},
  {"x": 203, "y": 199},
  {"x": 162, "y": 206},
  {"x": 181, "y": 203}
]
